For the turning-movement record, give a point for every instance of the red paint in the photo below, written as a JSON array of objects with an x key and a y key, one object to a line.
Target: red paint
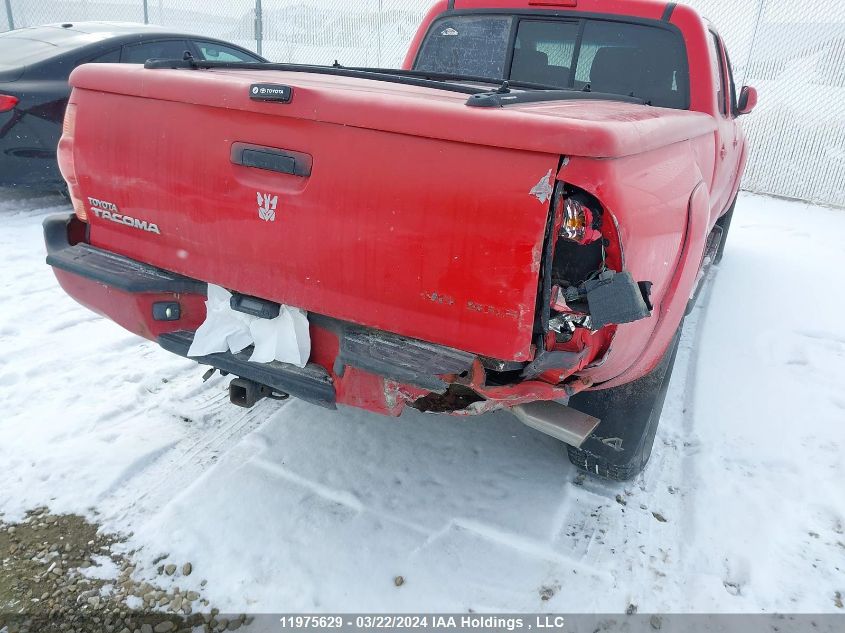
[
  {"x": 749, "y": 94},
  {"x": 7, "y": 102},
  {"x": 416, "y": 218},
  {"x": 133, "y": 311}
]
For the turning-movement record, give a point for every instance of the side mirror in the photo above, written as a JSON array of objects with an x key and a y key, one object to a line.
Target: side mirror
[{"x": 747, "y": 100}]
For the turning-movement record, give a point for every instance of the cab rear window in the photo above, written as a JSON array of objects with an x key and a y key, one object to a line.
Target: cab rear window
[
  {"x": 614, "y": 57},
  {"x": 467, "y": 45}
]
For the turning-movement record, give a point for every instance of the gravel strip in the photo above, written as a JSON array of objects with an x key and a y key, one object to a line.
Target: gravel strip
[{"x": 49, "y": 583}]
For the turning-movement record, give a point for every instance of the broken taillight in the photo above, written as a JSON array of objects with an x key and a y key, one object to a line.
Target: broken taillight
[
  {"x": 578, "y": 222},
  {"x": 7, "y": 102},
  {"x": 588, "y": 287},
  {"x": 66, "y": 162}
]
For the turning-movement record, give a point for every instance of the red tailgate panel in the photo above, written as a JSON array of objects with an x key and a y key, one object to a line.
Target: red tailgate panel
[{"x": 431, "y": 239}]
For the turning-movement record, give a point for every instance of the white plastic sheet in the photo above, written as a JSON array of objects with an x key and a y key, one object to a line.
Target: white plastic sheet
[{"x": 284, "y": 338}]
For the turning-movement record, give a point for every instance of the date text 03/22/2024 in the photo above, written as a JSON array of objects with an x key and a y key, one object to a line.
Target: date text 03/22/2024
[{"x": 432, "y": 622}]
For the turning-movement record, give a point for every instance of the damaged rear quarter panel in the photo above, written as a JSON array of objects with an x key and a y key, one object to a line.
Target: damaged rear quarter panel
[{"x": 651, "y": 223}]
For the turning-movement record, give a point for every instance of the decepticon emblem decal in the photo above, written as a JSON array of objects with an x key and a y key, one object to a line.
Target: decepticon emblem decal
[
  {"x": 267, "y": 206},
  {"x": 109, "y": 211}
]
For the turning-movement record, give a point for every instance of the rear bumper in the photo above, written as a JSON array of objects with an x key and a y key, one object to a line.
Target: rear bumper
[
  {"x": 349, "y": 364},
  {"x": 311, "y": 383},
  {"x": 126, "y": 290},
  {"x": 117, "y": 287},
  {"x": 66, "y": 252}
]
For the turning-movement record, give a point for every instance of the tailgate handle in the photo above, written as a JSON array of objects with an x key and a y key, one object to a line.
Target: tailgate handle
[{"x": 282, "y": 161}]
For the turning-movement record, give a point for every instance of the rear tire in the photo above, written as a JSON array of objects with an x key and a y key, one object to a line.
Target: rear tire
[{"x": 621, "y": 445}]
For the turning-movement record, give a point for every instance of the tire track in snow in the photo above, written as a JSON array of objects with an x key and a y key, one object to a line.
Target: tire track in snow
[
  {"x": 207, "y": 437},
  {"x": 208, "y": 426},
  {"x": 604, "y": 518},
  {"x": 690, "y": 440}
]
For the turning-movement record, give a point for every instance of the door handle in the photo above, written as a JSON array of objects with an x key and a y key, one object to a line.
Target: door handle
[{"x": 272, "y": 159}]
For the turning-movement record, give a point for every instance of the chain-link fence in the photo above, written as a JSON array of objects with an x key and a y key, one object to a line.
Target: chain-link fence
[{"x": 793, "y": 53}]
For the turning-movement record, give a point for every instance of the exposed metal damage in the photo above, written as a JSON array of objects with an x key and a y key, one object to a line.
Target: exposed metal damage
[{"x": 543, "y": 190}]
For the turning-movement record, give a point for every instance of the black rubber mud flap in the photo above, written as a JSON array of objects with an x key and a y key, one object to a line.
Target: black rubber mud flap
[
  {"x": 725, "y": 223},
  {"x": 620, "y": 447}
]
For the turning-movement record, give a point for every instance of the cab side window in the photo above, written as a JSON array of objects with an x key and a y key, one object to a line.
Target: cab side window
[
  {"x": 718, "y": 73},
  {"x": 731, "y": 85}
]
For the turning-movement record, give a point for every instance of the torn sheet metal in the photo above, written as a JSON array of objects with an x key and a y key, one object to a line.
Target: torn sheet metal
[
  {"x": 543, "y": 190},
  {"x": 285, "y": 338}
]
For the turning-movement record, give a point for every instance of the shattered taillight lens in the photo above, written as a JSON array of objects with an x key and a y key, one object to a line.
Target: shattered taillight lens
[
  {"x": 578, "y": 222},
  {"x": 66, "y": 162}
]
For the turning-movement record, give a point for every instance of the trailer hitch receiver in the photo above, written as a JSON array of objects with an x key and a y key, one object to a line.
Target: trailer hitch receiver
[{"x": 246, "y": 393}]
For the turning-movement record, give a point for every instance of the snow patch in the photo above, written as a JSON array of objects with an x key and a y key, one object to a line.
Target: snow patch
[{"x": 104, "y": 568}]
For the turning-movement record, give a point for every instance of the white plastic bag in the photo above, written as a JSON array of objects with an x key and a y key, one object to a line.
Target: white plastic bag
[{"x": 285, "y": 338}]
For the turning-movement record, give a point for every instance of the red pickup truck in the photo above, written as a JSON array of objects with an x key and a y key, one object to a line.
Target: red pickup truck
[{"x": 518, "y": 218}]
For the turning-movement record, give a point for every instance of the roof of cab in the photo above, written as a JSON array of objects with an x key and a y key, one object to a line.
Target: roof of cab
[{"x": 654, "y": 9}]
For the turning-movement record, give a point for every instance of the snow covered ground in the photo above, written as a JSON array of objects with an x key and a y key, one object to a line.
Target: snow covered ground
[{"x": 288, "y": 507}]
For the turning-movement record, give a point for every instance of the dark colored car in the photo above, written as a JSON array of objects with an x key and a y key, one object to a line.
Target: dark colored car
[{"x": 35, "y": 64}]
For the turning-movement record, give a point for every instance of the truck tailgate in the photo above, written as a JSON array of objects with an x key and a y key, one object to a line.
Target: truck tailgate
[{"x": 426, "y": 237}]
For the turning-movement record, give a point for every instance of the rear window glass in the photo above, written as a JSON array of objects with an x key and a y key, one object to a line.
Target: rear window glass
[
  {"x": 544, "y": 52},
  {"x": 469, "y": 45},
  {"x": 645, "y": 61},
  {"x": 621, "y": 58}
]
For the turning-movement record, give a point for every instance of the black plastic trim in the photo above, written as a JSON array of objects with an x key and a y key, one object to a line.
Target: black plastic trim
[
  {"x": 283, "y": 161},
  {"x": 274, "y": 93},
  {"x": 254, "y": 306},
  {"x": 425, "y": 74},
  {"x": 387, "y": 75},
  {"x": 400, "y": 358},
  {"x": 667, "y": 12},
  {"x": 311, "y": 383},
  {"x": 109, "y": 268},
  {"x": 499, "y": 99},
  {"x": 576, "y": 56}
]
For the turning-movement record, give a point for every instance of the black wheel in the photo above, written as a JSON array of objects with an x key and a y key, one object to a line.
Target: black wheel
[
  {"x": 621, "y": 445},
  {"x": 725, "y": 223}
]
